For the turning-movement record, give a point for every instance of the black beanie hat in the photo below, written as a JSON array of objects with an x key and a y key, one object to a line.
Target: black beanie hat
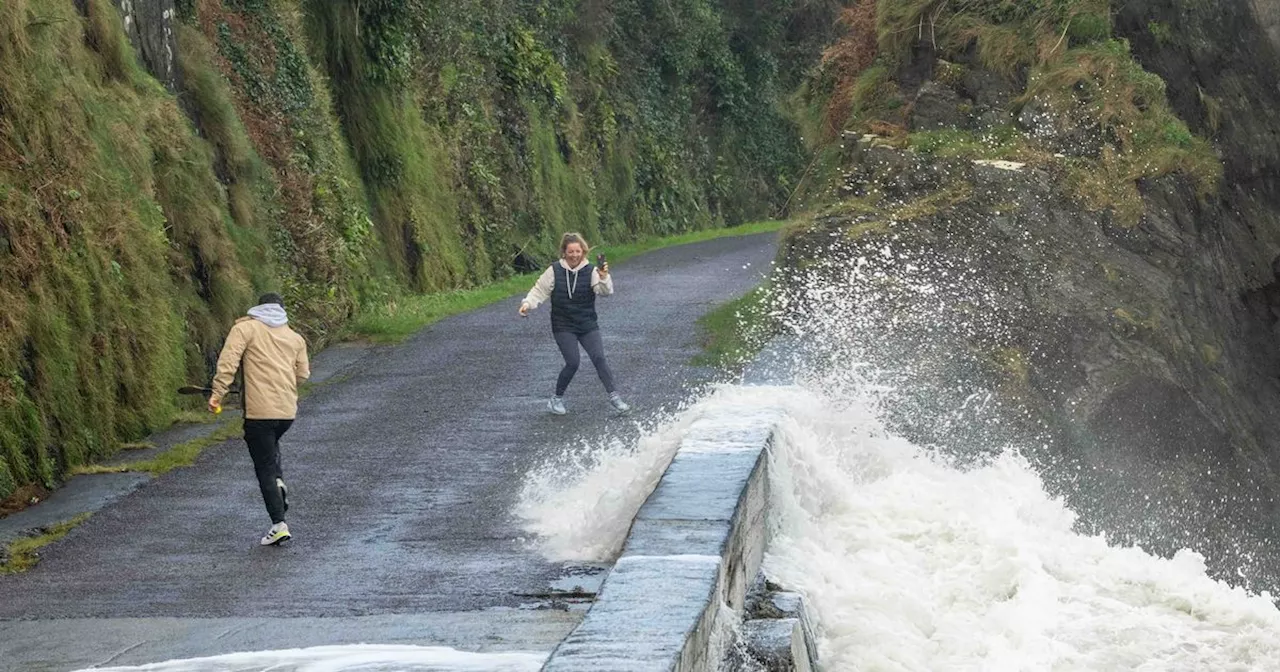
[{"x": 271, "y": 297}]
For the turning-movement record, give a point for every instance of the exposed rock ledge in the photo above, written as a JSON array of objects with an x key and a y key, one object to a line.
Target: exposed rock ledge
[{"x": 1139, "y": 365}]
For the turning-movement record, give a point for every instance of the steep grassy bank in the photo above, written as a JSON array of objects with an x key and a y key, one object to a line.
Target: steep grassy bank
[
  {"x": 1043, "y": 82},
  {"x": 352, "y": 154},
  {"x": 116, "y": 265}
]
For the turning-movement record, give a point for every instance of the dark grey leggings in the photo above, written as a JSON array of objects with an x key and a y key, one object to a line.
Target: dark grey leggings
[{"x": 594, "y": 345}]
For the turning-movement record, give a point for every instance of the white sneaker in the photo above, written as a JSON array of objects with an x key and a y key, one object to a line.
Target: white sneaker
[
  {"x": 618, "y": 403},
  {"x": 556, "y": 405},
  {"x": 278, "y": 533}
]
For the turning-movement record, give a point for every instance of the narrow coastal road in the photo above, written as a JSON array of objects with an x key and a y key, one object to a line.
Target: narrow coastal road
[{"x": 403, "y": 473}]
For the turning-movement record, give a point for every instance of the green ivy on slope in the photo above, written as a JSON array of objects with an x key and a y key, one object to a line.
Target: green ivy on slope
[
  {"x": 115, "y": 260},
  {"x": 346, "y": 152}
]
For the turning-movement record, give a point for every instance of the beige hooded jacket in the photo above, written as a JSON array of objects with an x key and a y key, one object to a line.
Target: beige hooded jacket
[{"x": 274, "y": 359}]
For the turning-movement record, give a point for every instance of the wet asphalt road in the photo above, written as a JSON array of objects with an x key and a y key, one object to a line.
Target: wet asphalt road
[{"x": 403, "y": 472}]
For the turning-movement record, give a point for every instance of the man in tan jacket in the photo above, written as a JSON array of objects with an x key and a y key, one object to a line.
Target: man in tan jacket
[{"x": 274, "y": 360}]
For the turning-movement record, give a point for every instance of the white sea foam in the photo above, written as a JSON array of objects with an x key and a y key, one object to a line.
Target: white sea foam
[
  {"x": 579, "y": 507},
  {"x": 353, "y": 658},
  {"x": 911, "y": 563},
  {"x": 922, "y": 557}
]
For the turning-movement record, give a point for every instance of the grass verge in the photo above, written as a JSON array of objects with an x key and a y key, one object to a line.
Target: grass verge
[
  {"x": 23, "y": 554},
  {"x": 402, "y": 318},
  {"x": 200, "y": 417},
  {"x": 181, "y": 455},
  {"x": 734, "y": 333}
]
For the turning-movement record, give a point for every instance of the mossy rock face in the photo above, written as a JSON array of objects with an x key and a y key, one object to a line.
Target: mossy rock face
[
  {"x": 937, "y": 106},
  {"x": 1234, "y": 101},
  {"x": 1055, "y": 67},
  {"x": 1090, "y": 335},
  {"x": 1109, "y": 194},
  {"x": 1068, "y": 132}
]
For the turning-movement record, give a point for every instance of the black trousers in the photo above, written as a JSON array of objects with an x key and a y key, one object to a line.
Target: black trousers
[
  {"x": 263, "y": 437},
  {"x": 594, "y": 345}
]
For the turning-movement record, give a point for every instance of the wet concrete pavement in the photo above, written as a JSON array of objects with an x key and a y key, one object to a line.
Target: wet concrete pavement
[{"x": 403, "y": 472}]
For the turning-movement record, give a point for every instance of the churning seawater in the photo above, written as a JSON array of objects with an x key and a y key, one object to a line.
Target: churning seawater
[
  {"x": 912, "y": 562},
  {"x": 915, "y": 557}
]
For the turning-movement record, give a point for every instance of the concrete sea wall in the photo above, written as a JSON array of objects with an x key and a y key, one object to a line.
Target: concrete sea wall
[{"x": 684, "y": 581}]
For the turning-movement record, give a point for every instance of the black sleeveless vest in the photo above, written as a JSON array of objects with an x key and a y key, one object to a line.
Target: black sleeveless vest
[{"x": 577, "y": 313}]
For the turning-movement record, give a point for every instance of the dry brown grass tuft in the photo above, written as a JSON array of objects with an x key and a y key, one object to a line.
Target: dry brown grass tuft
[{"x": 846, "y": 60}]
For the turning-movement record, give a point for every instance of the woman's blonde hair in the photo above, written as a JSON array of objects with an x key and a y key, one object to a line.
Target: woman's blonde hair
[{"x": 571, "y": 237}]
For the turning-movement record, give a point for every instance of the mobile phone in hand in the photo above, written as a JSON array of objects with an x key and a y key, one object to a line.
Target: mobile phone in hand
[{"x": 600, "y": 260}]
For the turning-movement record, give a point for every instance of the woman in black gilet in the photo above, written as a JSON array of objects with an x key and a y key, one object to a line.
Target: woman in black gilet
[{"x": 572, "y": 284}]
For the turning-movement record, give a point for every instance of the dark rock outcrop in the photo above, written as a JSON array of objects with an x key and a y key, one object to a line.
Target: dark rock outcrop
[
  {"x": 1137, "y": 357},
  {"x": 1219, "y": 62},
  {"x": 936, "y": 107},
  {"x": 151, "y": 26},
  {"x": 1136, "y": 365},
  {"x": 776, "y": 635},
  {"x": 1066, "y": 134}
]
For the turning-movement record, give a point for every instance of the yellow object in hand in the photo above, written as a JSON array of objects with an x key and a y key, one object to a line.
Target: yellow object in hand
[{"x": 217, "y": 409}]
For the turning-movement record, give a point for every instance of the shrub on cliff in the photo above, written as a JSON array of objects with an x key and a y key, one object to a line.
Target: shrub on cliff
[{"x": 1072, "y": 92}]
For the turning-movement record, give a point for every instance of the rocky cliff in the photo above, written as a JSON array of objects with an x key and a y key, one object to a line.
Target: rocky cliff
[{"x": 1059, "y": 224}]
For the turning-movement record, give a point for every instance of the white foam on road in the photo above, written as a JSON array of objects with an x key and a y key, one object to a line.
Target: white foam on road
[
  {"x": 354, "y": 658},
  {"x": 579, "y": 506}
]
